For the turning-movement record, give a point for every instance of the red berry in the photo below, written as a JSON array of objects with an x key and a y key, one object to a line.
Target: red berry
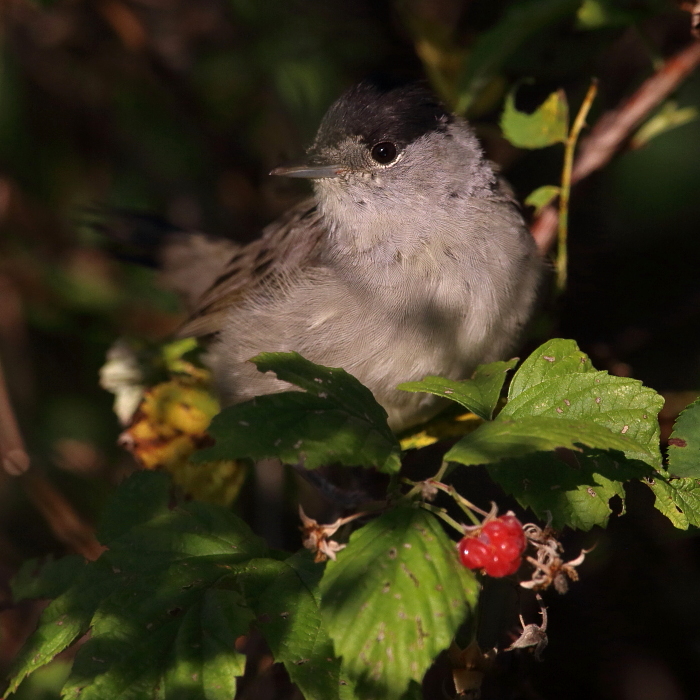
[
  {"x": 473, "y": 553},
  {"x": 497, "y": 547},
  {"x": 499, "y": 566}
]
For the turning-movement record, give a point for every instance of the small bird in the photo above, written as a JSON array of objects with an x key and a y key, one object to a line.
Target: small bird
[{"x": 411, "y": 259}]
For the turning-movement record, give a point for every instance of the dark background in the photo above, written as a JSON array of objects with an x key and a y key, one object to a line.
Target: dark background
[{"x": 181, "y": 107}]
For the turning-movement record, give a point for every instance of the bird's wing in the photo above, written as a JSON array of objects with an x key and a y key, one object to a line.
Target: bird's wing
[{"x": 284, "y": 245}]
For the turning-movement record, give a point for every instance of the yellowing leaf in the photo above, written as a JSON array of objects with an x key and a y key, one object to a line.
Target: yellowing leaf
[{"x": 170, "y": 424}]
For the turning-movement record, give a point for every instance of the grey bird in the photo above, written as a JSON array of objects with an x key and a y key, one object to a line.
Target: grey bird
[{"x": 411, "y": 259}]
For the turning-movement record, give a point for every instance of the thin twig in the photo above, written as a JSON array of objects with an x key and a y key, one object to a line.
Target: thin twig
[
  {"x": 14, "y": 457},
  {"x": 615, "y": 127},
  {"x": 565, "y": 192},
  {"x": 65, "y": 523}
]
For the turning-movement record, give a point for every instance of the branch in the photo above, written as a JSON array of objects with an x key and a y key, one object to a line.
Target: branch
[
  {"x": 14, "y": 457},
  {"x": 65, "y": 523},
  {"x": 615, "y": 127}
]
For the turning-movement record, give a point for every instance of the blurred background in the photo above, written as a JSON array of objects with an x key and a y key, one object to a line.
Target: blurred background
[{"x": 179, "y": 108}]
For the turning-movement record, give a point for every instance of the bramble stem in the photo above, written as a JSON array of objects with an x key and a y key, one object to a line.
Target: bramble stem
[
  {"x": 442, "y": 513},
  {"x": 570, "y": 147}
]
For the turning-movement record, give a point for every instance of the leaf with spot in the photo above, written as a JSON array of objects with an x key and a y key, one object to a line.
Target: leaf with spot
[
  {"x": 479, "y": 394},
  {"x": 677, "y": 499},
  {"x": 335, "y": 419},
  {"x": 509, "y": 439},
  {"x": 684, "y": 443},
  {"x": 547, "y": 125},
  {"x": 559, "y": 381},
  {"x": 286, "y": 601},
  {"x": 163, "y": 604},
  {"x": 46, "y": 579},
  {"x": 394, "y": 599},
  {"x": 572, "y": 487},
  {"x": 558, "y": 401}
]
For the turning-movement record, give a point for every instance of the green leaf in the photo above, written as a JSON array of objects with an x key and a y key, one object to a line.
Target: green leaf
[
  {"x": 154, "y": 606},
  {"x": 47, "y": 579},
  {"x": 559, "y": 381},
  {"x": 677, "y": 499},
  {"x": 491, "y": 50},
  {"x": 510, "y": 439},
  {"x": 541, "y": 197},
  {"x": 547, "y": 125},
  {"x": 479, "y": 394},
  {"x": 573, "y": 488},
  {"x": 595, "y": 14},
  {"x": 684, "y": 443},
  {"x": 335, "y": 420},
  {"x": 668, "y": 117},
  {"x": 558, "y": 401},
  {"x": 289, "y": 617},
  {"x": 394, "y": 599},
  {"x": 137, "y": 500},
  {"x": 64, "y": 621}
]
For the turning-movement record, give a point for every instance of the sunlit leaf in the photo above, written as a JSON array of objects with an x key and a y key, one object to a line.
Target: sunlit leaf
[
  {"x": 334, "y": 420},
  {"x": 394, "y": 599},
  {"x": 479, "y": 394},
  {"x": 547, "y": 125},
  {"x": 677, "y": 499},
  {"x": 542, "y": 196}
]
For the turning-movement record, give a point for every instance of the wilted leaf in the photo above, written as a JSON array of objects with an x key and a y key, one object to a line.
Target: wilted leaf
[
  {"x": 547, "y": 125},
  {"x": 479, "y": 394},
  {"x": 170, "y": 424},
  {"x": 335, "y": 420},
  {"x": 394, "y": 599}
]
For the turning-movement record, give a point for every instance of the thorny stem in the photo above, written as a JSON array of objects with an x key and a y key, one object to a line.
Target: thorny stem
[
  {"x": 442, "y": 513},
  {"x": 570, "y": 147}
]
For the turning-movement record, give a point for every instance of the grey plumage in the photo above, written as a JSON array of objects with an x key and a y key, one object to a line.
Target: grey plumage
[{"x": 393, "y": 270}]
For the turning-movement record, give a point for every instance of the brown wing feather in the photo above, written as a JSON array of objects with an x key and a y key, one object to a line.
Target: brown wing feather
[{"x": 285, "y": 244}]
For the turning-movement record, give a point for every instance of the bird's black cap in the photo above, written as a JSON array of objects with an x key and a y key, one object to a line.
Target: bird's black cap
[{"x": 378, "y": 110}]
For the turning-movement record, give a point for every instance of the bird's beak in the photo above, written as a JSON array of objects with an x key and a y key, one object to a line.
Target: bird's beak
[{"x": 312, "y": 172}]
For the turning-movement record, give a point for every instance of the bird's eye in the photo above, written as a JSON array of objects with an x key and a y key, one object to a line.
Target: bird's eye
[{"x": 384, "y": 152}]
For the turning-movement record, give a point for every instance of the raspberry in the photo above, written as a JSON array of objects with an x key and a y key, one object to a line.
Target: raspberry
[
  {"x": 473, "y": 553},
  {"x": 499, "y": 566},
  {"x": 497, "y": 548}
]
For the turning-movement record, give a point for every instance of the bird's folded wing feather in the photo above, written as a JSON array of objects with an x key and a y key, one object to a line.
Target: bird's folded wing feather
[{"x": 286, "y": 244}]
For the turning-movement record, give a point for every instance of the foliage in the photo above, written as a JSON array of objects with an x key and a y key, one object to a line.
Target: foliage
[{"x": 179, "y": 584}]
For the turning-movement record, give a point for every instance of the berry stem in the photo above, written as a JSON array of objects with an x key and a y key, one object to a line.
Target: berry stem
[
  {"x": 467, "y": 506},
  {"x": 442, "y": 513}
]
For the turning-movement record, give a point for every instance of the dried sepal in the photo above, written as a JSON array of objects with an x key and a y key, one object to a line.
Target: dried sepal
[
  {"x": 315, "y": 536},
  {"x": 550, "y": 568},
  {"x": 533, "y": 635}
]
